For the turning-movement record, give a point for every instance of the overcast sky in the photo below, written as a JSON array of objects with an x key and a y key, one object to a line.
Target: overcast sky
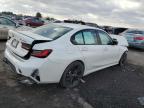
[{"x": 129, "y": 13}]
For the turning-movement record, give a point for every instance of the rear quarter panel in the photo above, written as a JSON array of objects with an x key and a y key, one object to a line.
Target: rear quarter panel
[{"x": 63, "y": 54}]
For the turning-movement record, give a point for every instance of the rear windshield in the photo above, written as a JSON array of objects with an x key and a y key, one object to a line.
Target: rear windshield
[{"x": 52, "y": 31}]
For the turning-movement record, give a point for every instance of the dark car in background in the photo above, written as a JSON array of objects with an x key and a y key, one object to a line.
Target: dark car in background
[
  {"x": 33, "y": 22},
  {"x": 113, "y": 30},
  {"x": 135, "y": 38}
]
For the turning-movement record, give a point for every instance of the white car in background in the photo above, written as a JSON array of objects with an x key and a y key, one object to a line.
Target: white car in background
[
  {"x": 5, "y": 25},
  {"x": 62, "y": 52}
]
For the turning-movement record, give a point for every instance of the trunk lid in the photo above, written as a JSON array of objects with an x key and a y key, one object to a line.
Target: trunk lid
[{"x": 16, "y": 38}]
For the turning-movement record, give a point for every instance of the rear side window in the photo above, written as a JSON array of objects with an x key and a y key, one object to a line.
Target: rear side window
[
  {"x": 52, "y": 31},
  {"x": 78, "y": 38},
  {"x": 105, "y": 38}
]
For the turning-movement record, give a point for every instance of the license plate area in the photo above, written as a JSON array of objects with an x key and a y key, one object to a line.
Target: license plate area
[{"x": 14, "y": 43}]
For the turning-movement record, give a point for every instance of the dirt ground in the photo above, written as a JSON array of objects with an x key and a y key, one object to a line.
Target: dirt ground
[{"x": 114, "y": 87}]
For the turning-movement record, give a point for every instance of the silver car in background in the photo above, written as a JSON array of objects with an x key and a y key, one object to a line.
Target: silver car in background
[
  {"x": 5, "y": 25},
  {"x": 135, "y": 38}
]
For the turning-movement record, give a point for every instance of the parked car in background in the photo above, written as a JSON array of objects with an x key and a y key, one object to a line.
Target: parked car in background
[
  {"x": 21, "y": 22},
  {"x": 134, "y": 37},
  {"x": 122, "y": 41},
  {"x": 33, "y": 22},
  {"x": 62, "y": 52},
  {"x": 118, "y": 30},
  {"x": 92, "y": 25},
  {"x": 5, "y": 25}
]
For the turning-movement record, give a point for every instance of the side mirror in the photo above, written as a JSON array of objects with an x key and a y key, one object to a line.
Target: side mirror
[{"x": 115, "y": 42}]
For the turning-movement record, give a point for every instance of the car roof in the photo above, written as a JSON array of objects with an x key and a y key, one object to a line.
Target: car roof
[{"x": 76, "y": 26}]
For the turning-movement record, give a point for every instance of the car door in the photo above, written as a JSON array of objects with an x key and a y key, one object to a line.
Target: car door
[
  {"x": 88, "y": 44},
  {"x": 110, "y": 52}
]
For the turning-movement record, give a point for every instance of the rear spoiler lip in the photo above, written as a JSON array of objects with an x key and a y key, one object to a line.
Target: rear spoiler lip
[{"x": 27, "y": 56}]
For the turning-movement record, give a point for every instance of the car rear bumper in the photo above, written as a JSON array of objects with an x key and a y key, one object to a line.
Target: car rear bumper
[
  {"x": 20, "y": 66},
  {"x": 48, "y": 71}
]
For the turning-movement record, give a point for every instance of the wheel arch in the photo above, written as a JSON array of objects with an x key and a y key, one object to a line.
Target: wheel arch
[
  {"x": 71, "y": 63},
  {"x": 126, "y": 51}
]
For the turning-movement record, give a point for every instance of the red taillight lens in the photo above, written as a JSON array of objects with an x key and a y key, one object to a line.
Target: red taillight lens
[
  {"x": 139, "y": 38},
  {"x": 26, "y": 46},
  {"x": 41, "y": 53}
]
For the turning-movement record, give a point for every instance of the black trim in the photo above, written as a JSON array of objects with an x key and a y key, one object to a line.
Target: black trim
[
  {"x": 98, "y": 38},
  {"x": 27, "y": 56},
  {"x": 33, "y": 43}
]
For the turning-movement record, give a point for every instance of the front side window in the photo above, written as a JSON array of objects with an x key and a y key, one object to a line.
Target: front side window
[{"x": 104, "y": 37}]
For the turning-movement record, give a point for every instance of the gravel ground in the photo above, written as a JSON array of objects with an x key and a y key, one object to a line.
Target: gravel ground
[
  {"x": 136, "y": 56},
  {"x": 114, "y": 87}
]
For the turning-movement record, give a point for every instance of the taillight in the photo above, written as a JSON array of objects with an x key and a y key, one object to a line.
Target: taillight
[
  {"x": 41, "y": 53},
  {"x": 26, "y": 46},
  {"x": 139, "y": 38}
]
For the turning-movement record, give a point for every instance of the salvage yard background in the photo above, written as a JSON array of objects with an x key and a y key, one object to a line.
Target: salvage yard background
[{"x": 114, "y": 87}]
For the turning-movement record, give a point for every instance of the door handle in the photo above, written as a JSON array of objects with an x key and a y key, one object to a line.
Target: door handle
[
  {"x": 105, "y": 49},
  {"x": 84, "y": 49}
]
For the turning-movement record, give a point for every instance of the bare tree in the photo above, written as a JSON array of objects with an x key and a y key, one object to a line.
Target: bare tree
[{"x": 38, "y": 15}]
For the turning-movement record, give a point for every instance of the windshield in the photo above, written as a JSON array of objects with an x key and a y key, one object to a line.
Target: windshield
[{"x": 52, "y": 31}]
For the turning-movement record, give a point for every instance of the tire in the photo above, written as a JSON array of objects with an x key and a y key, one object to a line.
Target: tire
[
  {"x": 123, "y": 59},
  {"x": 72, "y": 75}
]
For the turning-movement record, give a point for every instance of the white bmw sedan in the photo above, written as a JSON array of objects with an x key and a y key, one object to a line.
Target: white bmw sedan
[{"x": 62, "y": 53}]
